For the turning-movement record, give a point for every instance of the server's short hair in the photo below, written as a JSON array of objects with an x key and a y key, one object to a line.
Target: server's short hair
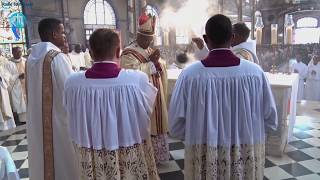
[
  {"x": 241, "y": 29},
  {"x": 46, "y": 27},
  {"x": 104, "y": 43},
  {"x": 219, "y": 29}
]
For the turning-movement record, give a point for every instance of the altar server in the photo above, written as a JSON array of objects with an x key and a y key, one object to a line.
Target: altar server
[
  {"x": 222, "y": 106},
  {"x": 109, "y": 110}
]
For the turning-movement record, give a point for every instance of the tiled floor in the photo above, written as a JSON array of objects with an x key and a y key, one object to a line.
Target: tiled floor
[{"x": 301, "y": 160}]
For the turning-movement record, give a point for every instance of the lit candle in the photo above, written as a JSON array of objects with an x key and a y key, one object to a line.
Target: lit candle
[
  {"x": 289, "y": 34},
  {"x": 274, "y": 33},
  {"x": 166, "y": 38},
  {"x": 259, "y": 36}
]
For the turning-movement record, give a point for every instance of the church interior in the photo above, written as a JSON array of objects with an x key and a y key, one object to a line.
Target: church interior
[{"x": 283, "y": 32}]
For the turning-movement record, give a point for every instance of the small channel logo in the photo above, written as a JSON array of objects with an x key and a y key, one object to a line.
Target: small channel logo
[{"x": 17, "y": 19}]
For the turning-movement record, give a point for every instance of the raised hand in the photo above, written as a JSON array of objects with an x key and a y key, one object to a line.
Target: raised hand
[
  {"x": 155, "y": 56},
  {"x": 199, "y": 42}
]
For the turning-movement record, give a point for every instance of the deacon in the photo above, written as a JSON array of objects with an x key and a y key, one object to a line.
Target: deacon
[
  {"x": 313, "y": 78},
  {"x": 51, "y": 153},
  {"x": 17, "y": 83},
  {"x": 105, "y": 133},
  {"x": 222, "y": 106},
  {"x": 140, "y": 56}
]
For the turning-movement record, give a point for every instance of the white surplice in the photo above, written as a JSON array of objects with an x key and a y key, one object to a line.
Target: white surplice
[
  {"x": 77, "y": 60},
  {"x": 111, "y": 117},
  {"x": 312, "y": 92},
  {"x": 302, "y": 69},
  {"x": 222, "y": 114},
  {"x": 64, "y": 155}
]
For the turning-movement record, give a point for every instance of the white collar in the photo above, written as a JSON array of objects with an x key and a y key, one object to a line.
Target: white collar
[
  {"x": 106, "y": 61},
  {"x": 220, "y": 49}
]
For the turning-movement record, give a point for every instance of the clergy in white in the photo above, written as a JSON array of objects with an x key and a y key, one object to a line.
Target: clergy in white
[
  {"x": 77, "y": 58},
  {"x": 312, "y": 92},
  {"x": 17, "y": 87},
  {"x": 302, "y": 69},
  {"x": 221, "y": 106},
  {"x": 51, "y": 153},
  {"x": 6, "y": 116},
  {"x": 109, "y": 111}
]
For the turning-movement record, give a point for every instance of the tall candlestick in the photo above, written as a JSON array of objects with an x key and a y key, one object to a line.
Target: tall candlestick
[
  {"x": 288, "y": 24},
  {"x": 259, "y": 35},
  {"x": 289, "y": 35},
  {"x": 274, "y": 34},
  {"x": 166, "y": 38}
]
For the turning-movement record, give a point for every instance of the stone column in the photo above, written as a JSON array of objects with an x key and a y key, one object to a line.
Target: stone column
[
  {"x": 131, "y": 19},
  {"x": 240, "y": 11}
]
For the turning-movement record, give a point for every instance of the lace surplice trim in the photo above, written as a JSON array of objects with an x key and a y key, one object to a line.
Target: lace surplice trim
[
  {"x": 127, "y": 163},
  {"x": 161, "y": 148},
  {"x": 203, "y": 162}
]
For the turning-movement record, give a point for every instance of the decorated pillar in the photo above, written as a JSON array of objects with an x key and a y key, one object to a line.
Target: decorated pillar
[{"x": 135, "y": 8}]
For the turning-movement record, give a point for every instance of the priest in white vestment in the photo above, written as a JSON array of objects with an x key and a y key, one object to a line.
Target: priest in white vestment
[
  {"x": 302, "y": 69},
  {"x": 109, "y": 111},
  {"x": 312, "y": 92},
  {"x": 77, "y": 58},
  {"x": 222, "y": 106},
  {"x": 16, "y": 67},
  {"x": 51, "y": 153}
]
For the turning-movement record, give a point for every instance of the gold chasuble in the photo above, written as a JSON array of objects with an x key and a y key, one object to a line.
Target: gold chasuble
[{"x": 135, "y": 57}]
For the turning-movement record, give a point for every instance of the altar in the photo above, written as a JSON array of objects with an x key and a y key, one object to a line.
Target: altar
[{"x": 285, "y": 89}]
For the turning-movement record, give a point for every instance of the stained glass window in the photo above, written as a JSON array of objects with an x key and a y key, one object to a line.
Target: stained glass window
[
  {"x": 307, "y": 22},
  {"x": 12, "y": 25},
  {"x": 98, "y": 14}
]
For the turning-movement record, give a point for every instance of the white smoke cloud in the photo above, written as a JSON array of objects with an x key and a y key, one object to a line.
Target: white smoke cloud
[{"x": 192, "y": 15}]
